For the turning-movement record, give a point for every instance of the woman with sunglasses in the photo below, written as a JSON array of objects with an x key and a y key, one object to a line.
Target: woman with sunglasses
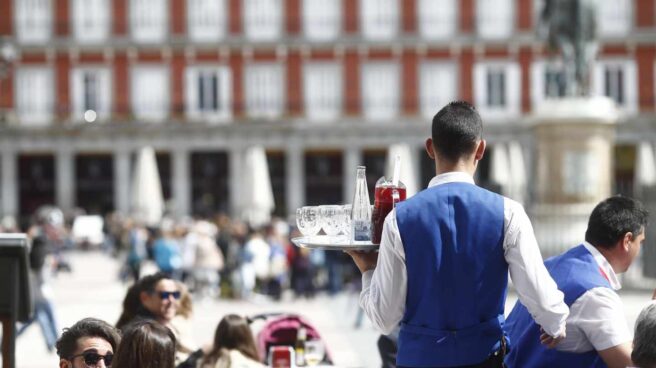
[
  {"x": 88, "y": 343},
  {"x": 146, "y": 344}
]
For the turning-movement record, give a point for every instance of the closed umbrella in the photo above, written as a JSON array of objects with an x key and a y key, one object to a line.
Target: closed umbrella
[
  {"x": 257, "y": 196},
  {"x": 147, "y": 198},
  {"x": 645, "y": 173},
  {"x": 408, "y": 175}
]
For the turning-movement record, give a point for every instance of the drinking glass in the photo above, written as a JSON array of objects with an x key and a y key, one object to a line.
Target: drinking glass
[
  {"x": 346, "y": 220},
  {"x": 307, "y": 220},
  {"x": 330, "y": 219},
  {"x": 314, "y": 352}
]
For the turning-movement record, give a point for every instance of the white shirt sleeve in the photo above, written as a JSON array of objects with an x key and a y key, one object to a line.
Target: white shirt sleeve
[
  {"x": 384, "y": 291},
  {"x": 535, "y": 287},
  {"x": 599, "y": 315}
]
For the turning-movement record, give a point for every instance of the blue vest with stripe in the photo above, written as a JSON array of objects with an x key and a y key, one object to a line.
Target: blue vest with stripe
[
  {"x": 575, "y": 272},
  {"x": 457, "y": 275}
]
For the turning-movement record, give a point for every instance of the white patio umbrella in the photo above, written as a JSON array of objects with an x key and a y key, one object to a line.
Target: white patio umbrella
[
  {"x": 257, "y": 194},
  {"x": 147, "y": 199},
  {"x": 408, "y": 175},
  {"x": 500, "y": 168},
  {"x": 645, "y": 173},
  {"x": 517, "y": 172}
]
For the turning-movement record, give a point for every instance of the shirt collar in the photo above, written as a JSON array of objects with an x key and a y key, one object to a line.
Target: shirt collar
[
  {"x": 604, "y": 266},
  {"x": 451, "y": 177}
]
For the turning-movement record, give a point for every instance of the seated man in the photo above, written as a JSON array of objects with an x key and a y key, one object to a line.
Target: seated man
[
  {"x": 597, "y": 332},
  {"x": 88, "y": 343},
  {"x": 644, "y": 338}
]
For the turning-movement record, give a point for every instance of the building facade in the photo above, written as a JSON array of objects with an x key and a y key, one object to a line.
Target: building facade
[{"x": 322, "y": 85}]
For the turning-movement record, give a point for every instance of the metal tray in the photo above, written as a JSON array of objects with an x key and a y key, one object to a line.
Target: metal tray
[{"x": 332, "y": 243}]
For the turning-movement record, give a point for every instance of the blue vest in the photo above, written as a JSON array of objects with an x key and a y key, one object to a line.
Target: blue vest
[
  {"x": 457, "y": 276},
  {"x": 575, "y": 272}
]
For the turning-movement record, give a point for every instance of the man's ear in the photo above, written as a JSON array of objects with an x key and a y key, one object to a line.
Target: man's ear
[
  {"x": 63, "y": 363},
  {"x": 429, "y": 148},
  {"x": 626, "y": 241},
  {"x": 480, "y": 150}
]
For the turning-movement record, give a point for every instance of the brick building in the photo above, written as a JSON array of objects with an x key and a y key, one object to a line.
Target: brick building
[{"x": 322, "y": 85}]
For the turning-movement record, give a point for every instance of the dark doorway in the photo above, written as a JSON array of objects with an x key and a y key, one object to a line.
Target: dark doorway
[
  {"x": 375, "y": 161},
  {"x": 94, "y": 178},
  {"x": 209, "y": 178},
  {"x": 323, "y": 177},
  {"x": 277, "y": 173},
  {"x": 164, "y": 169},
  {"x": 36, "y": 183}
]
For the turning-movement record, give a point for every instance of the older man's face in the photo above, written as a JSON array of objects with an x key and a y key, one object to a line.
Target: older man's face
[
  {"x": 163, "y": 301},
  {"x": 91, "y": 352}
]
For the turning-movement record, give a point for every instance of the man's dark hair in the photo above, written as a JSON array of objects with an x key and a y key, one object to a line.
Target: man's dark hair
[
  {"x": 146, "y": 344},
  {"x": 644, "y": 338},
  {"x": 88, "y": 327},
  {"x": 456, "y": 129},
  {"x": 613, "y": 218},
  {"x": 148, "y": 283}
]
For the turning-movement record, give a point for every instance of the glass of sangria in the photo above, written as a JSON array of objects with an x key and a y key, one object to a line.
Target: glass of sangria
[{"x": 386, "y": 196}]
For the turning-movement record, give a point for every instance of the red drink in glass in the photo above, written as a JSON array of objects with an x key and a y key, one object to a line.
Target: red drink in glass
[{"x": 383, "y": 205}]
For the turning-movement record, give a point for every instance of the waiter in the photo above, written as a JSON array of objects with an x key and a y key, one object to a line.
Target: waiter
[{"x": 442, "y": 268}]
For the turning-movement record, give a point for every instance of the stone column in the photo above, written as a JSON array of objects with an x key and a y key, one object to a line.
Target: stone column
[
  {"x": 352, "y": 159},
  {"x": 65, "y": 179},
  {"x": 122, "y": 181},
  {"x": 9, "y": 185},
  {"x": 181, "y": 186},
  {"x": 574, "y": 138},
  {"x": 236, "y": 175},
  {"x": 295, "y": 180}
]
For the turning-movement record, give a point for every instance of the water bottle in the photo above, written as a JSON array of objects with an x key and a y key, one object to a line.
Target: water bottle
[{"x": 361, "y": 209}]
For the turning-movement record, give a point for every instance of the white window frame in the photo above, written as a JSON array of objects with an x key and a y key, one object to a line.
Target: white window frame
[
  {"x": 26, "y": 98},
  {"x": 512, "y": 86},
  {"x": 436, "y": 21},
  {"x": 322, "y": 19},
  {"x": 91, "y": 20},
  {"x": 264, "y": 99},
  {"x": 614, "y": 18},
  {"x": 33, "y": 27},
  {"x": 374, "y": 88},
  {"x": 263, "y": 19},
  {"x": 434, "y": 75},
  {"x": 103, "y": 75},
  {"x": 630, "y": 81},
  {"x": 538, "y": 71},
  {"x": 491, "y": 23},
  {"x": 140, "y": 109},
  {"x": 153, "y": 33},
  {"x": 207, "y": 20},
  {"x": 224, "y": 90},
  {"x": 323, "y": 90},
  {"x": 379, "y": 19}
]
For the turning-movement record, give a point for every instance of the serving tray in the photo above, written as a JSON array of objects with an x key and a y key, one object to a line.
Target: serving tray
[{"x": 332, "y": 243}]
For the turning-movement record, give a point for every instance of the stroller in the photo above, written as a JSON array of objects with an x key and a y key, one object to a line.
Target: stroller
[{"x": 282, "y": 329}]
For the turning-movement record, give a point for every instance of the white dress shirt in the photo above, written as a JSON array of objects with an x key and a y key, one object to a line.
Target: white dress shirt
[
  {"x": 384, "y": 289},
  {"x": 596, "y": 319}
]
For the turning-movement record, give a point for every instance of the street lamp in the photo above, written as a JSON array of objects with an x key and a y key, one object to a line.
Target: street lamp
[{"x": 7, "y": 56}]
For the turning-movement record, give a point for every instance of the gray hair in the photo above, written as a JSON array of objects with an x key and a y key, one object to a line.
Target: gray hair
[{"x": 644, "y": 340}]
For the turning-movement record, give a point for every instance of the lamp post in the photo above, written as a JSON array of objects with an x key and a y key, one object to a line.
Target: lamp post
[{"x": 7, "y": 56}]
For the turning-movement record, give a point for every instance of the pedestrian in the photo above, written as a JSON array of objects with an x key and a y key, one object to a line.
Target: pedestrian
[
  {"x": 88, "y": 343},
  {"x": 443, "y": 262},
  {"x": 146, "y": 344},
  {"x": 234, "y": 346},
  {"x": 597, "y": 332}
]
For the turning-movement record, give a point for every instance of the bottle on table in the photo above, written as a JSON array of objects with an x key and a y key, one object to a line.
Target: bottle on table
[
  {"x": 299, "y": 348},
  {"x": 361, "y": 208}
]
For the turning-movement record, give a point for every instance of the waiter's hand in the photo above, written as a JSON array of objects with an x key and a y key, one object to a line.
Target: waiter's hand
[
  {"x": 364, "y": 260},
  {"x": 550, "y": 341}
]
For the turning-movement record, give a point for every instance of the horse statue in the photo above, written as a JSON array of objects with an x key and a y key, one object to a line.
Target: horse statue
[{"x": 570, "y": 26}]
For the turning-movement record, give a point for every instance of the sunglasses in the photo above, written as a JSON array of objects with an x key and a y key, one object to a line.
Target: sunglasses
[
  {"x": 91, "y": 358},
  {"x": 167, "y": 294}
]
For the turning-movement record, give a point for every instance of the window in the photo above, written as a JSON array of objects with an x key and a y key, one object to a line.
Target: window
[
  {"x": 264, "y": 90},
  {"x": 91, "y": 92},
  {"x": 380, "y": 90},
  {"x": 321, "y": 19},
  {"x": 578, "y": 173},
  {"x": 148, "y": 19},
  {"x": 150, "y": 92},
  {"x": 497, "y": 88},
  {"x": 91, "y": 20},
  {"x": 614, "y": 17},
  {"x": 379, "y": 18},
  {"x": 33, "y": 20},
  {"x": 437, "y": 86},
  {"x": 437, "y": 19},
  {"x": 208, "y": 93},
  {"x": 322, "y": 90},
  {"x": 495, "y": 18},
  {"x": 34, "y": 95},
  {"x": 547, "y": 81},
  {"x": 617, "y": 79},
  {"x": 263, "y": 19},
  {"x": 206, "y": 19}
]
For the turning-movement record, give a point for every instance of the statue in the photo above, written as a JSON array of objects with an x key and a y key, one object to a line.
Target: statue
[{"x": 571, "y": 28}]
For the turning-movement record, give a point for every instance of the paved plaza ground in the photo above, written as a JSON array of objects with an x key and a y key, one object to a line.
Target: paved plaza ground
[{"x": 92, "y": 290}]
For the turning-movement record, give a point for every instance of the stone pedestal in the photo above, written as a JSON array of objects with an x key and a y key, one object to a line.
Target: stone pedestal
[{"x": 573, "y": 167}]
